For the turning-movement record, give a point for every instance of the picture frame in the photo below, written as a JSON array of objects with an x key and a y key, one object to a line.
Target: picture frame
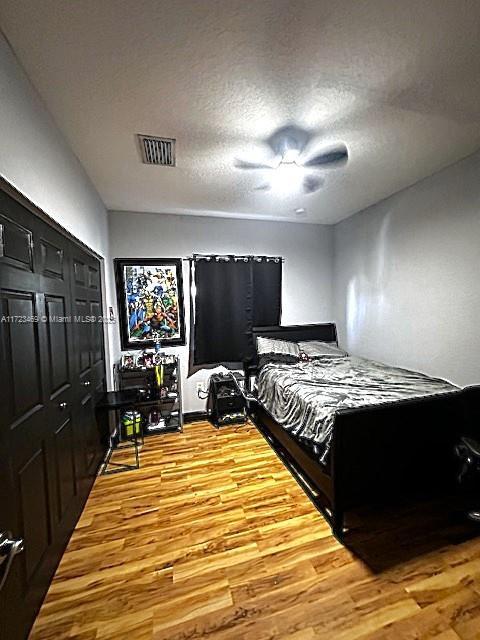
[{"x": 150, "y": 299}]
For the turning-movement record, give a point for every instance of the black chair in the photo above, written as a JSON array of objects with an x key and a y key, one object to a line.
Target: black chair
[{"x": 468, "y": 449}]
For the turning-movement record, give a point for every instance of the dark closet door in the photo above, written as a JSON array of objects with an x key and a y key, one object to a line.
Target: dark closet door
[
  {"x": 53, "y": 262},
  {"x": 89, "y": 366},
  {"x": 42, "y": 483}
]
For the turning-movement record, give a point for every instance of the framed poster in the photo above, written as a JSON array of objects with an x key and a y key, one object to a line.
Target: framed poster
[{"x": 150, "y": 301}]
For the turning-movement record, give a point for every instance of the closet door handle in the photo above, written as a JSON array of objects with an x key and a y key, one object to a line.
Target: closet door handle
[
  {"x": 62, "y": 406},
  {"x": 9, "y": 548}
]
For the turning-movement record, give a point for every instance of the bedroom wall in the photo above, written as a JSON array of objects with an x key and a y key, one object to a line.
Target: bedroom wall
[
  {"x": 37, "y": 160},
  {"x": 406, "y": 276},
  {"x": 307, "y": 271}
]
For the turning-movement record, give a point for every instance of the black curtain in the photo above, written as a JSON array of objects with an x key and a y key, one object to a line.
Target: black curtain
[
  {"x": 232, "y": 294},
  {"x": 267, "y": 291}
]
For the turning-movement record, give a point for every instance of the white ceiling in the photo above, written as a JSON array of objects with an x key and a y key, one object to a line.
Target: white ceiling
[{"x": 397, "y": 80}]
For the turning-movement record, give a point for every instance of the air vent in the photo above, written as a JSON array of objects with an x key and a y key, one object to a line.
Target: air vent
[{"x": 157, "y": 150}]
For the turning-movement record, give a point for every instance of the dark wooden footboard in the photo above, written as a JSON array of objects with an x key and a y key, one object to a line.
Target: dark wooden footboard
[
  {"x": 379, "y": 453},
  {"x": 390, "y": 450}
]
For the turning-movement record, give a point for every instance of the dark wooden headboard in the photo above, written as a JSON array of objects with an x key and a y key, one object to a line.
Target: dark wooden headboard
[{"x": 326, "y": 332}]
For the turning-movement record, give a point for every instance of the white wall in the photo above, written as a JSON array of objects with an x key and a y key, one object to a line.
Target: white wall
[
  {"x": 36, "y": 159},
  {"x": 407, "y": 276},
  {"x": 307, "y": 272}
]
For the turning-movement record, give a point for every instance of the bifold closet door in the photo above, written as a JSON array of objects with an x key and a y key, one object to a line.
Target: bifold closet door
[
  {"x": 89, "y": 366},
  {"x": 43, "y": 481}
]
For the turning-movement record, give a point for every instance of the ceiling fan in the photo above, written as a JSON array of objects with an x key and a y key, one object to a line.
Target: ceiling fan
[{"x": 288, "y": 145}]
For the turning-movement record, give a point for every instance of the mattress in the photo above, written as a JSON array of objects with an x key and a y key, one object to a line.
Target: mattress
[{"x": 305, "y": 397}]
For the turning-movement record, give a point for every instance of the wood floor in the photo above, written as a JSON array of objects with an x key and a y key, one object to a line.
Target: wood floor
[{"x": 212, "y": 538}]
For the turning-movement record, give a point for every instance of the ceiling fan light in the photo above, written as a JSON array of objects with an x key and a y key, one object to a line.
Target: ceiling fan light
[
  {"x": 290, "y": 156},
  {"x": 287, "y": 178}
]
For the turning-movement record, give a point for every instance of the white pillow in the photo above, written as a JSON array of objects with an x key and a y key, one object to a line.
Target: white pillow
[{"x": 317, "y": 349}]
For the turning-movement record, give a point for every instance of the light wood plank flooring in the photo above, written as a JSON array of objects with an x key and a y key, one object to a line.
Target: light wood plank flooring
[{"x": 212, "y": 538}]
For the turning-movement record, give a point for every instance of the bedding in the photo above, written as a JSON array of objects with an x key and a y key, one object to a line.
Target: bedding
[{"x": 304, "y": 397}]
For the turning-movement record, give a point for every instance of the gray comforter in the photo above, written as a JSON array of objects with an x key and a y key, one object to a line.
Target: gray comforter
[{"x": 304, "y": 397}]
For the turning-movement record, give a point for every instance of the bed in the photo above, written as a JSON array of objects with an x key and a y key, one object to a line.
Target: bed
[{"x": 389, "y": 432}]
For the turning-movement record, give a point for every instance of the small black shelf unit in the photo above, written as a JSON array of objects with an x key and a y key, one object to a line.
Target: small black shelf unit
[{"x": 169, "y": 409}]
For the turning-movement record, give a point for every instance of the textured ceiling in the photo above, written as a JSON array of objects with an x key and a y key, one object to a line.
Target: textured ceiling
[{"x": 397, "y": 81}]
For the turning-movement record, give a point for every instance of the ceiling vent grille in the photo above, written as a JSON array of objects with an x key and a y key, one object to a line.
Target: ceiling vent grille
[{"x": 159, "y": 151}]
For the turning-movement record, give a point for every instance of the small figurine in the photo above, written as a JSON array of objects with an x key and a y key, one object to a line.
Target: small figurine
[
  {"x": 128, "y": 361},
  {"x": 147, "y": 360}
]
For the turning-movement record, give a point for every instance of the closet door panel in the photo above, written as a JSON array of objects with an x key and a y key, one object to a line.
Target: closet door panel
[
  {"x": 93, "y": 271},
  {"x": 82, "y": 330},
  {"x": 22, "y": 351},
  {"x": 31, "y": 479},
  {"x": 65, "y": 480},
  {"x": 52, "y": 259},
  {"x": 59, "y": 375},
  {"x": 97, "y": 329},
  {"x": 79, "y": 272},
  {"x": 91, "y": 434},
  {"x": 16, "y": 244},
  {"x": 96, "y": 333}
]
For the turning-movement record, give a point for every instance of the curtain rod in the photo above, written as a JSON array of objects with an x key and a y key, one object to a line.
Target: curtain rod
[{"x": 228, "y": 257}]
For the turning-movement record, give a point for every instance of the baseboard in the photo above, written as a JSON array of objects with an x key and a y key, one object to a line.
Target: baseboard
[{"x": 193, "y": 416}]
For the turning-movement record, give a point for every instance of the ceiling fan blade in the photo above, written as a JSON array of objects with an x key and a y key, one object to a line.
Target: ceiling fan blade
[
  {"x": 312, "y": 184},
  {"x": 336, "y": 157},
  {"x": 245, "y": 164}
]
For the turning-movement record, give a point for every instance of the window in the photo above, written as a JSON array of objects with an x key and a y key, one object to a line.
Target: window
[{"x": 232, "y": 294}]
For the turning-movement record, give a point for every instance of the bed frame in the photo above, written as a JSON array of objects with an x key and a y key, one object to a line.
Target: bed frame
[{"x": 378, "y": 453}]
